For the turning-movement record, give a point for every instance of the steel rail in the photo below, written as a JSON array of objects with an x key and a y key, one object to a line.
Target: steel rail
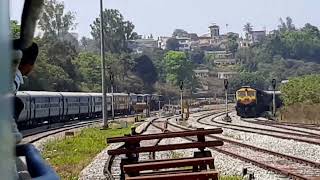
[{"x": 260, "y": 164}]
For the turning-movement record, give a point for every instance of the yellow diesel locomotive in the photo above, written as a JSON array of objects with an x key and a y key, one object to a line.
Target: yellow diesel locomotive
[{"x": 253, "y": 102}]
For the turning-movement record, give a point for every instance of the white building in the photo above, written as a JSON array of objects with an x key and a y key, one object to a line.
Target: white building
[
  {"x": 184, "y": 43},
  {"x": 162, "y": 42},
  {"x": 201, "y": 73},
  {"x": 256, "y": 36},
  {"x": 226, "y": 75},
  {"x": 138, "y": 45}
]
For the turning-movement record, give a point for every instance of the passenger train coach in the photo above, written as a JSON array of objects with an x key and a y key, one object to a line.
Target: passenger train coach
[{"x": 51, "y": 107}]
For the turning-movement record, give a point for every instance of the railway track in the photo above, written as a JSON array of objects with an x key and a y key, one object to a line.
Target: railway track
[
  {"x": 112, "y": 167},
  {"x": 36, "y": 134},
  {"x": 303, "y": 128},
  {"x": 294, "y": 167},
  {"x": 311, "y": 138}
]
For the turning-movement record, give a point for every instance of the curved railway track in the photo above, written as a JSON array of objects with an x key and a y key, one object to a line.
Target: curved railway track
[
  {"x": 286, "y": 126},
  {"x": 310, "y": 137},
  {"x": 294, "y": 167},
  {"x": 108, "y": 170},
  {"x": 38, "y": 135}
]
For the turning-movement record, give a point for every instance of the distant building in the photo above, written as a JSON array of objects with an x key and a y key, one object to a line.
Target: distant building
[
  {"x": 184, "y": 43},
  {"x": 214, "y": 31},
  {"x": 201, "y": 73},
  {"x": 162, "y": 42},
  {"x": 220, "y": 54},
  {"x": 245, "y": 43},
  {"x": 138, "y": 45},
  {"x": 213, "y": 39},
  {"x": 257, "y": 36},
  {"x": 226, "y": 75},
  {"x": 225, "y": 62}
]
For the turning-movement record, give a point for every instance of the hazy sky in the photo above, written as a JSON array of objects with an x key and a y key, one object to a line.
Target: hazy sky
[{"x": 161, "y": 17}]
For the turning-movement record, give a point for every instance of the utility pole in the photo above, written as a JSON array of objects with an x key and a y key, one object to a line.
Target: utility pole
[
  {"x": 129, "y": 100},
  {"x": 274, "y": 83},
  {"x": 159, "y": 107},
  {"x": 112, "y": 96},
  {"x": 103, "y": 69},
  {"x": 226, "y": 84},
  {"x": 181, "y": 98}
]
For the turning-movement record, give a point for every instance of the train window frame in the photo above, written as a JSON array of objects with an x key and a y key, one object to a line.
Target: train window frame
[{"x": 241, "y": 96}]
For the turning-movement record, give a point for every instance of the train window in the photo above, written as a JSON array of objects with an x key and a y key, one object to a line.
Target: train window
[
  {"x": 241, "y": 93},
  {"x": 251, "y": 93}
]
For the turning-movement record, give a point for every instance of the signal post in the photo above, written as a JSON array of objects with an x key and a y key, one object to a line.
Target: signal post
[{"x": 227, "y": 118}]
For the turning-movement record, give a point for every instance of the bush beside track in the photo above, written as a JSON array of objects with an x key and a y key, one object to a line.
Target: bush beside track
[
  {"x": 71, "y": 154},
  {"x": 301, "y": 96}
]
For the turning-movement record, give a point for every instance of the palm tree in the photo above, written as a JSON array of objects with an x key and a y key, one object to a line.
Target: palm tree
[{"x": 247, "y": 28}]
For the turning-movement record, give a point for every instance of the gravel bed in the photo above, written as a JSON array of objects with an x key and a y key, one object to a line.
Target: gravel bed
[
  {"x": 237, "y": 120},
  {"x": 289, "y": 147},
  {"x": 285, "y": 146},
  {"x": 227, "y": 165},
  {"x": 95, "y": 170}
]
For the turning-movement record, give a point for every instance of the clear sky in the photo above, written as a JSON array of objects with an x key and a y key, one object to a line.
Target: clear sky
[{"x": 161, "y": 17}]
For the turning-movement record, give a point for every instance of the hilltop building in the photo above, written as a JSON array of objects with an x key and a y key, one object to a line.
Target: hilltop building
[{"x": 138, "y": 45}]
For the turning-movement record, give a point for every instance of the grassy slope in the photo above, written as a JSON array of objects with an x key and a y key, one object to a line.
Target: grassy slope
[{"x": 70, "y": 155}]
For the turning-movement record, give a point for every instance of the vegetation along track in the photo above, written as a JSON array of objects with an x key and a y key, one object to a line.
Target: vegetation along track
[
  {"x": 294, "y": 167},
  {"x": 309, "y": 137}
]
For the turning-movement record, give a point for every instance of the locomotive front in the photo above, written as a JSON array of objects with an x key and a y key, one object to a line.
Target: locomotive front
[{"x": 246, "y": 102}]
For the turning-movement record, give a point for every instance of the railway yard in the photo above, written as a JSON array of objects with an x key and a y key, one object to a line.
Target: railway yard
[{"x": 253, "y": 148}]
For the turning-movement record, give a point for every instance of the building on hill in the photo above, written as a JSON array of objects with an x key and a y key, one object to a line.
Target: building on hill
[
  {"x": 220, "y": 54},
  {"x": 257, "y": 36},
  {"x": 244, "y": 43},
  {"x": 226, "y": 75},
  {"x": 225, "y": 61},
  {"x": 213, "y": 39},
  {"x": 201, "y": 73},
  {"x": 253, "y": 38},
  {"x": 162, "y": 42},
  {"x": 138, "y": 45},
  {"x": 222, "y": 57},
  {"x": 214, "y": 31},
  {"x": 184, "y": 43}
]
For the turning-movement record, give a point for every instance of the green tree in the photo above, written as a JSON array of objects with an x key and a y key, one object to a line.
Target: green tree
[
  {"x": 247, "y": 28},
  {"x": 286, "y": 26},
  {"x": 180, "y": 33},
  {"x": 232, "y": 43},
  {"x": 172, "y": 44},
  {"x": 178, "y": 68},
  {"x": 145, "y": 70},
  {"x": 310, "y": 29},
  {"x": 58, "y": 48},
  {"x": 116, "y": 31},
  {"x": 87, "y": 44},
  {"x": 15, "y": 29},
  {"x": 55, "y": 21},
  {"x": 304, "y": 89},
  {"x": 255, "y": 80},
  {"x": 89, "y": 66},
  {"x": 197, "y": 57}
]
